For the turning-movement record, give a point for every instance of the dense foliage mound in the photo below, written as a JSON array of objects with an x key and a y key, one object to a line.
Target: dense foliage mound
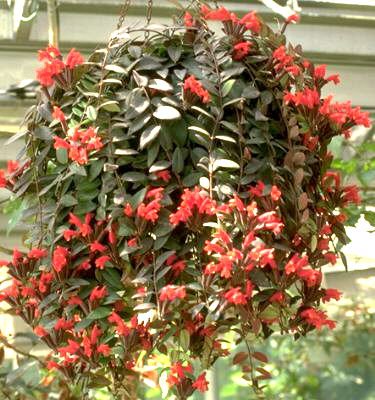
[{"x": 176, "y": 190}]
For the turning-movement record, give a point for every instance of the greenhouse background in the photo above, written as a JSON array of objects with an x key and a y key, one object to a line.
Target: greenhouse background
[{"x": 340, "y": 34}]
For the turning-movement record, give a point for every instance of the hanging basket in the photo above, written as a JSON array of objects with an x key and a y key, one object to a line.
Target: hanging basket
[{"x": 178, "y": 191}]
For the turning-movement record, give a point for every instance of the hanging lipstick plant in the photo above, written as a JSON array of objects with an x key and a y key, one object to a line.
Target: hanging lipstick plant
[{"x": 178, "y": 190}]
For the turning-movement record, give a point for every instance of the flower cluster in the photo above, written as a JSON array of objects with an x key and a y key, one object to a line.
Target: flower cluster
[
  {"x": 193, "y": 87},
  {"x": 8, "y": 175},
  {"x": 284, "y": 62},
  {"x": 249, "y": 21},
  {"x": 54, "y": 68},
  {"x": 150, "y": 211},
  {"x": 79, "y": 143},
  {"x": 193, "y": 202},
  {"x": 343, "y": 114},
  {"x": 241, "y": 50}
]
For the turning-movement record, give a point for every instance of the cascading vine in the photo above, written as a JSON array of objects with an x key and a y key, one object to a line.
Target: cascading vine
[{"x": 178, "y": 191}]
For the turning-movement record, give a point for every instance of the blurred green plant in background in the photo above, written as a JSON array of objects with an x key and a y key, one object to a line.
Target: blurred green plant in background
[
  {"x": 335, "y": 365},
  {"x": 355, "y": 159}
]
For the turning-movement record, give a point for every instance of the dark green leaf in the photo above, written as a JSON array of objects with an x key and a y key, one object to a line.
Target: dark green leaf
[
  {"x": 166, "y": 113},
  {"x": 149, "y": 135}
]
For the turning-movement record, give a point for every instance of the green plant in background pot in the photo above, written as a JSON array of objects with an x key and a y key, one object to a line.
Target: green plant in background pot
[{"x": 177, "y": 190}]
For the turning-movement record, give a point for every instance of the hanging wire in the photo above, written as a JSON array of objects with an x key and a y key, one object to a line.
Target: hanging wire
[
  {"x": 148, "y": 17},
  {"x": 123, "y": 13}
]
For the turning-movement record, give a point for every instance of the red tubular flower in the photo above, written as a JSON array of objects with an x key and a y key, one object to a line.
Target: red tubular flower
[
  {"x": 310, "y": 141},
  {"x": 335, "y": 78},
  {"x": 211, "y": 247},
  {"x": 96, "y": 246},
  {"x": 224, "y": 267},
  {"x": 84, "y": 266},
  {"x": 343, "y": 113},
  {"x": 196, "y": 200},
  {"x": 17, "y": 257},
  {"x": 45, "y": 279},
  {"x": 12, "y": 167},
  {"x": 63, "y": 324},
  {"x": 4, "y": 263},
  {"x": 193, "y": 86},
  {"x": 87, "y": 347},
  {"x": 37, "y": 253},
  {"x": 275, "y": 193},
  {"x": 351, "y": 195},
  {"x": 73, "y": 59},
  {"x": 133, "y": 242},
  {"x": 112, "y": 234},
  {"x": 293, "y": 69},
  {"x": 51, "y": 365},
  {"x": 235, "y": 296},
  {"x": 323, "y": 244},
  {"x": 150, "y": 211},
  {"x": 98, "y": 293},
  {"x": 251, "y": 22},
  {"x": 95, "y": 334},
  {"x": 326, "y": 230},
  {"x": 51, "y": 52},
  {"x": 266, "y": 257},
  {"x": 293, "y": 18},
  {"x": 58, "y": 114},
  {"x": 201, "y": 383},
  {"x": 104, "y": 349},
  {"x": 204, "y": 10},
  {"x": 311, "y": 277},
  {"x": 270, "y": 221},
  {"x": 60, "y": 143},
  {"x": 282, "y": 60},
  {"x": 101, "y": 261},
  {"x": 241, "y": 50},
  {"x": 330, "y": 294},
  {"x": 178, "y": 267},
  {"x": 71, "y": 348},
  {"x": 330, "y": 257},
  {"x": 223, "y": 236},
  {"x": 79, "y": 143},
  {"x": 295, "y": 264},
  {"x": 128, "y": 210},
  {"x": 78, "y": 154},
  {"x": 317, "y": 318},
  {"x": 177, "y": 373},
  {"x": 189, "y": 20},
  {"x": 40, "y": 331},
  {"x": 121, "y": 328},
  {"x": 320, "y": 71},
  {"x": 172, "y": 292},
  {"x": 309, "y": 98},
  {"x": 164, "y": 175},
  {"x": 331, "y": 177},
  {"x": 50, "y": 69},
  {"x": 237, "y": 204},
  {"x": 277, "y": 297},
  {"x": 258, "y": 189},
  {"x": 69, "y": 234},
  {"x": 248, "y": 241},
  {"x": 60, "y": 258},
  {"x": 3, "y": 179},
  {"x": 221, "y": 14},
  {"x": 74, "y": 301}
]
